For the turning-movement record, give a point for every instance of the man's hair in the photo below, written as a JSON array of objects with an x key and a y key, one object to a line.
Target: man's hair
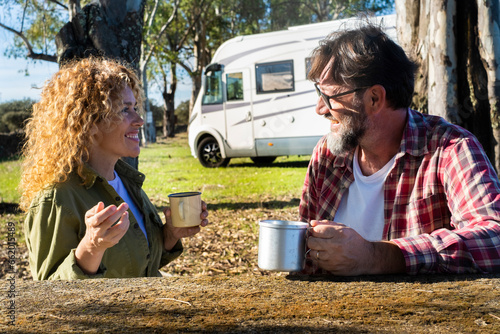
[{"x": 364, "y": 57}]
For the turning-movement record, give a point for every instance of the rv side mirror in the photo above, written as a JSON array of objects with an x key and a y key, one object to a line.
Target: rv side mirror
[{"x": 213, "y": 68}]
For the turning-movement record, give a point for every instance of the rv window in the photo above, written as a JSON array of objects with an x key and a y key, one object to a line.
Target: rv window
[
  {"x": 274, "y": 77},
  {"x": 234, "y": 84},
  {"x": 213, "y": 88},
  {"x": 308, "y": 66}
]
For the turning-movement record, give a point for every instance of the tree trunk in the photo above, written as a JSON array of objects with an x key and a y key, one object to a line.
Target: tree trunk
[
  {"x": 412, "y": 29},
  {"x": 202, "y": 57},
  {"x": 472, "y": 93},
  {"x": 454, "y": 43},
  {"x": 169, "y": 117},
  {"x": 488, "y": 26},
  {"x": 106, "y": 28}
]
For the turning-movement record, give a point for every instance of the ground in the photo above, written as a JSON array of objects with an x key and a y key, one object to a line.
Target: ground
[{"x": 255, "y": 304}]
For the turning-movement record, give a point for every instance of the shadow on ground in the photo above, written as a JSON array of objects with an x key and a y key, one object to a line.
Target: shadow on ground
[
  {"x": 280, "y": 164},
  {"x": 9, "y": 208},
  {"x": 293, "y": 203}
]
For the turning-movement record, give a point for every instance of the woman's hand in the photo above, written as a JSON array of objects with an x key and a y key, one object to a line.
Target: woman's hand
[
  {"x": 172, "y": 234},
  {"x": 105, "y": 228}
]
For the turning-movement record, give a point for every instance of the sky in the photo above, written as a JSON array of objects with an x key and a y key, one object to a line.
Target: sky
[{"x": 15, "y": 85}]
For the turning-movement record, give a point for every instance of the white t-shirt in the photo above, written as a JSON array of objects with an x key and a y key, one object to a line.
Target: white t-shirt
[
  {"x": 362, "y": 206},
  {"x": 117, "y": 184}
]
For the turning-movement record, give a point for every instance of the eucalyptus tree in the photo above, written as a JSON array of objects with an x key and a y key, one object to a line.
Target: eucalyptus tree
[
  {"x": 59, "y": 31},
  {"x": 159, "y": 17},
  {"x": 170, "y": 50},
  {"x": 285, "y": 13},
  {"x": 34, "y": 25},
  {"x": 457, "y": 44},
  {"x": 222, "y": 20},
  {"x": 197, "y": 30}
]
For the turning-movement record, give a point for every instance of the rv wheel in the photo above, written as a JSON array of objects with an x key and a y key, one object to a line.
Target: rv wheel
[
  {"x": 209, "y": 153},
  {"x": 262, "y": 161}
]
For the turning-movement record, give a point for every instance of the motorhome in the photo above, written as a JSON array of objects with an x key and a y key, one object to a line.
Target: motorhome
[{"x": 255, "y": 100}]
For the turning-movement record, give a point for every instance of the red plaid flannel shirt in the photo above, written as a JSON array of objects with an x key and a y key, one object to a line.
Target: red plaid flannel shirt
[{"x": 441, "y": 199}]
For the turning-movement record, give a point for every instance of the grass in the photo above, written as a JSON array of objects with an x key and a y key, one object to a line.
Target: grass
[
  {"x": 170, "y": 167},
  {"x": 10, "y": 171}
]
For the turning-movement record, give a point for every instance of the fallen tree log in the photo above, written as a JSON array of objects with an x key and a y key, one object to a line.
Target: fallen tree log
[{"x": 256, "y": 304}]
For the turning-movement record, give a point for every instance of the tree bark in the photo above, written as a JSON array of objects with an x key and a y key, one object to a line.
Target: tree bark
[
  {"x": 106, "y": 28},
  {"x": 201, "y": 54},
  {"x": 488, "y": 26},
  {"x": 456, "y": 45},
  {"x": 169, "y": 117}
]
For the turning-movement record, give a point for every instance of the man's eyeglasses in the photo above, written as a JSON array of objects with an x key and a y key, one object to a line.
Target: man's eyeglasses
[{"x": 327, "y": 98}]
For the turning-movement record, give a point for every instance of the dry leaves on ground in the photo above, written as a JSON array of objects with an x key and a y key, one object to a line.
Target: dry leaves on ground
[{"x": 227, "y": 246}]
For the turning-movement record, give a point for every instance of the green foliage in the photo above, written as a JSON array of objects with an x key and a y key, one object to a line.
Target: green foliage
[
  {"x": 39, "y": 21},
  {"x": 14, "y": 113},
  {"x": 285, "y": 13},
  {"x": 157, "y": 113},
  {"x": 15, "y": 120},
  {"x": 182, "y": 112}
]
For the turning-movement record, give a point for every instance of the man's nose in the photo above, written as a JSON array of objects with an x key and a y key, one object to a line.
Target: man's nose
[{"x": 321, "y": 107}]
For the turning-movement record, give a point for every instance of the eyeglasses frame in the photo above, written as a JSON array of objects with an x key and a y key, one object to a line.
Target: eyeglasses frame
[{"x": 327, "y": 98}]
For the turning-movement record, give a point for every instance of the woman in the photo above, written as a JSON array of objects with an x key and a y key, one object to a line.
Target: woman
[{"x": 87, "y": 216}]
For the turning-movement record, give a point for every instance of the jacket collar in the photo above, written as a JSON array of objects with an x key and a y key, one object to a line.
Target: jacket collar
[{"x": 121, "y": 167}]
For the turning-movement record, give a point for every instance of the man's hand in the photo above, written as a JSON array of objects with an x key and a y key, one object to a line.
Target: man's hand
[{"x": 342, "y": 251}]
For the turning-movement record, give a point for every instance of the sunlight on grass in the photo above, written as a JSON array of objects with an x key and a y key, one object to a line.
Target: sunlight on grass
[
  {"x": 170, "y": 167},
  {"x": 10, "y": 172}
]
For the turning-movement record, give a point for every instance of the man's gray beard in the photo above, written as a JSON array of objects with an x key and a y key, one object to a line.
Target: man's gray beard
[{"x": 347, "y": 139}]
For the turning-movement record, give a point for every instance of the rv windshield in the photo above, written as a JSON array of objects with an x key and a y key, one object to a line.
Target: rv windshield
[{"x": 213, "y": 88}]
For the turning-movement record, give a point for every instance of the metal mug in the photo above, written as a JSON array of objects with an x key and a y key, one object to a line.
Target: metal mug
[{"x": 282, "y": 245}]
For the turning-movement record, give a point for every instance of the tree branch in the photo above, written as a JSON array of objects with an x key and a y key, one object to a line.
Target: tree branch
[
  {"x": 162, "y": 31},
  {"x": 31, "y": 54},
  {"x": 60, "y": 4}
]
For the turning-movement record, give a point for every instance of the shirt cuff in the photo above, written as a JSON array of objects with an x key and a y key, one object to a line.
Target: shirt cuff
[
  {"x": 169, "y": 256},
  {"x": 69, "y": 270},
  {"x": 419, "y": 253}
]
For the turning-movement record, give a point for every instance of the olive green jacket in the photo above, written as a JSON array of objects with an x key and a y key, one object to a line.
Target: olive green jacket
[{"x": 55, "y": 224}]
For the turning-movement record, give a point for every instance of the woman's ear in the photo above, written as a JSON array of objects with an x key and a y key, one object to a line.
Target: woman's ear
[{"x": 94, "y": 132}]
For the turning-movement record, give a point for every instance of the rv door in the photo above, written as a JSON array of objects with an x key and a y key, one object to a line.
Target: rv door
[{"x": 239, "y": 114}]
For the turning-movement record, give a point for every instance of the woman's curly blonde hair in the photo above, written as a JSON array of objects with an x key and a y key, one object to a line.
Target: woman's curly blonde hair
[{"x": 58, "y": 135}]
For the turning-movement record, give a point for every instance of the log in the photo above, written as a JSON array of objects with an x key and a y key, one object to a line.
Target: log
[{"x": 256, "y": 304}]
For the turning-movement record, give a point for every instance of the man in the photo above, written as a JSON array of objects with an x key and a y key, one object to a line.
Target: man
[{"x": 390, "y": 190}]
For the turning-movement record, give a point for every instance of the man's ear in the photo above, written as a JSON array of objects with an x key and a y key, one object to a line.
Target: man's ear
[{"x": 375, "y": 98}]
